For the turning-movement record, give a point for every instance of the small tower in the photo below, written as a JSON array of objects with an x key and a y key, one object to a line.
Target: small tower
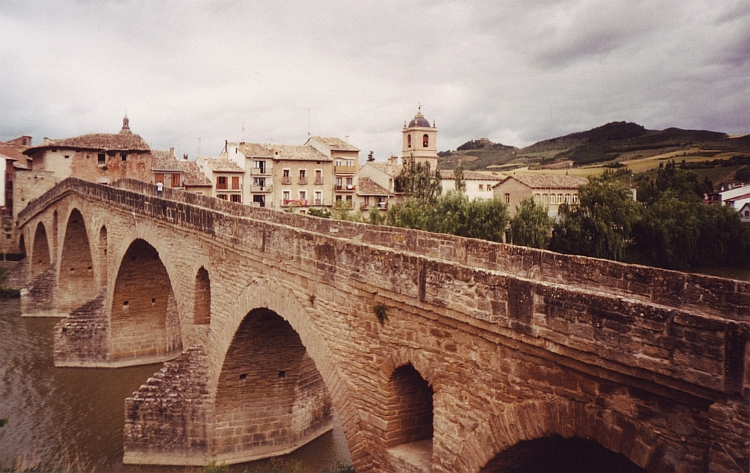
[
  {"x": 420, "y": 140},
  {"x": 125, "y": 126}
]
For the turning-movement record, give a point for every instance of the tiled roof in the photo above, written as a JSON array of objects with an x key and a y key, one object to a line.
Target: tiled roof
[
  {"x": 392, "y": 170},
  {"x": 12, "y": 152},
  {"x": 297, "y": 153},
  {"x": 96, "y": 141},
  {"x": 471, "y": 176},
  {"x": 368, "y": 187},
  {"x": 549, "y": 181},
  {"x": 164, "y": 160},
  {"x": 335, "y": 144},
  {"x": 254, "y": 150},
  {"x": 193, "y": 177},
  {"x": 222, "y": 165}
]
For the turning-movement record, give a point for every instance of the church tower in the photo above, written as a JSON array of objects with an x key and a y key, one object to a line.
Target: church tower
[{"x": 420, "y": 140}]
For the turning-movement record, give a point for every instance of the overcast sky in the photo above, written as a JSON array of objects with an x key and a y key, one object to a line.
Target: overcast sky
[{"x": 516, "y": 72}]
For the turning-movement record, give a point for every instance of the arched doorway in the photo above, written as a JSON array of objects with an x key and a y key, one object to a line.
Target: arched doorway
[{"x": 76, "y": 284}]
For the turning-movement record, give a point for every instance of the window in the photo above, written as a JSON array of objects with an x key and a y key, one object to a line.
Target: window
[
  {"x": 545, "y": 199},
  {"x": 222, "y": 196},
  {"x": 221, "y": 182},
  {"x": 159, "y": 177},
  {"x": 101, "y": 158},
  {"x": 559, "y": 198},
  {"x": 338, "y": 162},
  {"x": 425, "y": 141},
  {"x": 507, "y": 198},
  {"x": 124, "y": 156},
  {"x": 350, "y": 183},
  {"x": 67, "y": 156},
  {"x": 259, "y": 182},
  {"x": 575, "y": 198},
  {"x": 302, "y": 173},
  {"x": 236, "y": 198},
  {"x": 481, "y": 187},
  {"x": 537, "y": 197},
  {"x": 235, "y": 182},
  {"x": 286, "y": 197},
  {"x": 286, "y": 172},
  {"x": 175, "y": 180},
  {"x": 260, "y": 167},
  {"x": 303, "y": 196},
  {"x": 260, "y": 200},
  {"x": 318, "y": 198},
  {"x": 567, "y": 198},
  {"x": 339, "y": 182},
  {"x": 408, "y": 141},
  {"x": 319, "y": 177},
  {"x": 286, "y": 177}
]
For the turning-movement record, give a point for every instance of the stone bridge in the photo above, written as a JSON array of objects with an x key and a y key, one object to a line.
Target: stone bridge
[{"x": 439, "y": 353}]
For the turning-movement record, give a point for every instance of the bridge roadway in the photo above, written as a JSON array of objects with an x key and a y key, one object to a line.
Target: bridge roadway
[{"x": 439, "y": 353}]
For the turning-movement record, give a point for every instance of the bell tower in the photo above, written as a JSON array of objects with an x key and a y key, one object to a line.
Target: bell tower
[{"x": 420, "y": 140}]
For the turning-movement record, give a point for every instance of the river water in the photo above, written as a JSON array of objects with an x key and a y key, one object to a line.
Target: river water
[{"x": 71, "y": 419}]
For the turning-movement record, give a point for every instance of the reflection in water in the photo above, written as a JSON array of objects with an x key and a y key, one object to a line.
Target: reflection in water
[{"x": 73, "y": 418}]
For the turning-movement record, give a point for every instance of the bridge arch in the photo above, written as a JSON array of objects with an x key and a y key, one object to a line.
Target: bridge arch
[
  {"x": 76, "y": 282},
  {"x": 40, "y": 251},
  {"x": 144, "y": 320},
  {"x": 522, "y": 426},
  {"x": 276, "y": 297}
]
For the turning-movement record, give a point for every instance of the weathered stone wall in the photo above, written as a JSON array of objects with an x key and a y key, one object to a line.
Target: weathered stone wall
[
  {"x": 76, "y": 283},
  {"x": 515, "y": 344},
  {"x": 167, "y": 417},
  {"x": 81, "y": 337}
]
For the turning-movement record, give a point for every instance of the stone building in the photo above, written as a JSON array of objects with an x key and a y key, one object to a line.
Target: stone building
[
  {"x": 383, "y": 174},
  {"x": 179, "y": 174},
  {"x": 420, "y": 140},
  {"x": 548, "y": 190},
  {"x": 96, "y": 157},
  {"x": 227, "y": 178},
  {"x": 478, "y": 185},
  {"x": 371, "y": 195},
  {"x": 345, "y": 165}
]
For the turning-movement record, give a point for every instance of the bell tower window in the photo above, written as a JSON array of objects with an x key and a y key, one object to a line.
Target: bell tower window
[
  {"x": 425, "y": 141},
  {"x": 408, "y": 141}
]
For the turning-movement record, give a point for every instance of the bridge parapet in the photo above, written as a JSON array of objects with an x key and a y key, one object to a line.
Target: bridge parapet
[{"x": 712, "y": 296}]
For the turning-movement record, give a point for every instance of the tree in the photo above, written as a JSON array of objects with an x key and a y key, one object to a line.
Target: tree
[
  {"x": 600, "y": 225},
  {"x": 458, "y": 174},
  {"x": 531, "y": 226},
  {"x": 370, "y": 157},
  {"x": 418, "y": 181}
]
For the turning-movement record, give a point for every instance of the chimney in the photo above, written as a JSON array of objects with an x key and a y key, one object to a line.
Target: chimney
[
  {"x": 346, "y": 139},
  {"x": 171, "y": 152},
  {"x": 185, "y": 156}
]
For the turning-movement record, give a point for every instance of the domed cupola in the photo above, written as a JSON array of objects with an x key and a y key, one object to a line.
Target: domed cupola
[{"x": 419, "y": 140}]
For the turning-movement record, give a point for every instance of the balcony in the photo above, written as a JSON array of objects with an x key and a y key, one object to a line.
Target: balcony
[
  {"x": 347, "y": 188},
  {"x": 286, "y": 180},
  {"x": 302, "y": 180},
  {"x": 258, "y": 172},
  {"x": 261, "y": 189},
  {"x": 345, "y": 169},
  {"x": 318, "y": 181},
  {"x": 295, "y": 202},
  {"x": 318, "y": 201}
]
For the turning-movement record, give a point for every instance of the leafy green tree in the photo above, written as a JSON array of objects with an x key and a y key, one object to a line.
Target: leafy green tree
[
  {"x": 458, "y": 174},
  {"x": 600, "y": 225},
  {"x": 531, "y": 226},
  {"x": 342, "y": 210},
  {"x": 487, "y": 219},
  {"x": 418, "y": 181},
  {"x": 322, "y": 213},
  {"x": 684, "y": 184}
]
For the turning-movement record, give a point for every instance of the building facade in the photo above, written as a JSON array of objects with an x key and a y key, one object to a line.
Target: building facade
[
  {"x": 419, "y": 139},
  {"x": 548, "y": 190},
  {"x": 478, "y": 185}
]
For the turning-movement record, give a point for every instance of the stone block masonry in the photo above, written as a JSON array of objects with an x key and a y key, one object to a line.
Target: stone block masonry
[{"x": 488, "y": 345}]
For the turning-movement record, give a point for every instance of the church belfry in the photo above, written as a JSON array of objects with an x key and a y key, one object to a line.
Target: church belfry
[{"x": 420, "y": 140}]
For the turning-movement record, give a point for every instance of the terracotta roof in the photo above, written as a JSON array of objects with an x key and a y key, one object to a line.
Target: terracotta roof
[
  {"x": 164, "y": 160},
  {"x": 298, "y": 153},
  {"x": 548, "y": 181},
  {"x": 193, "y": 177},
  {"x": 368, "y": 187},
  {"x": 472, "y": 176},
  {"x": 254, "y": 150},
  {"x": 392, "y": 170},
  {"x": 96, "y": 141},
  {"x": 222, "y": 165},
  {"x": 335, "y": 144},
  {"x": 12, "y": 152}
]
